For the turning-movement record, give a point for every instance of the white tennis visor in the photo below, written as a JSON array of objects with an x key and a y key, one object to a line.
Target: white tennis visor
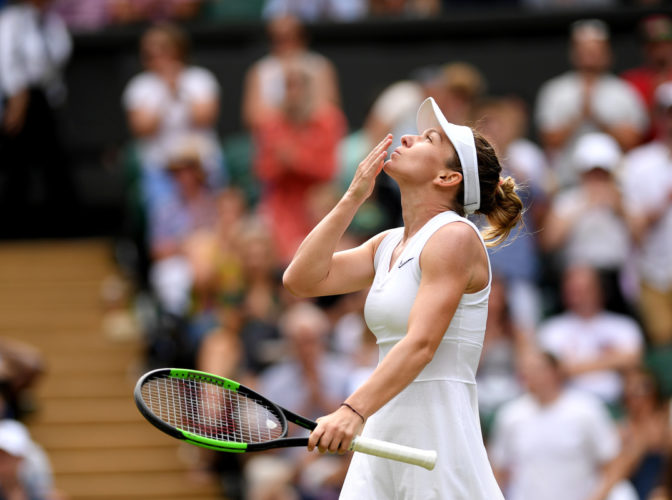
[{"x": 462, "y": 138}]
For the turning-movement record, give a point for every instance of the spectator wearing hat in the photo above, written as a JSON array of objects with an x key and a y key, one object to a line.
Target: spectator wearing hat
[
  {"x": 588, "y": 98},
  {"x": 25, "y": 471},
  {"x": 648, "y": 201},
  {"x": 586, "y": 223},
  {"x": 174, "y": 222},
  {"x": 656, "y": 38}
]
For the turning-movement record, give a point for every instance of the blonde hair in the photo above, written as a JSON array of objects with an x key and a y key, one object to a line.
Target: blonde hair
[{"x": 500, "y": 203}]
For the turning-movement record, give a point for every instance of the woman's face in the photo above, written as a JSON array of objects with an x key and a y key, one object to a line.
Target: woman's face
[{"x": 420, "y": 157}]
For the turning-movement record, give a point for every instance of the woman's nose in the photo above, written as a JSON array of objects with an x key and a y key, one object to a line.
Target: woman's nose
[{"x": 406, "y": 140}]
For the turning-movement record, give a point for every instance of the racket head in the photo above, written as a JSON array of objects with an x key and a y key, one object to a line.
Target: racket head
[{"x": 209, "y": 411}]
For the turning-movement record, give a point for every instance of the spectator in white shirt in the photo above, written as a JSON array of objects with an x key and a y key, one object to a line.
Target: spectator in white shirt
[
  {"x": 587, "y": 99},
  {"x": 554, "y": 443},
  {"x": 34, "y": 49},
  {"x": 648, "y": 196},
  {"x": 169, "y": 100},
  {"x": 593, "y": 345}
]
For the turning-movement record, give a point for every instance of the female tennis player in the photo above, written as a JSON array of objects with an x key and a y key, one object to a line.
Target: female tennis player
[{"x": 429, "y": 284}]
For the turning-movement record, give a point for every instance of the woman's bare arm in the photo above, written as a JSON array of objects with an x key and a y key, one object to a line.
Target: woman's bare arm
[{"x": 317, "y": 269}]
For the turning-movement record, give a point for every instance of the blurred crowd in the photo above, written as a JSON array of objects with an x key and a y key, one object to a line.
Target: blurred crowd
[{"x": 576, "y": 373}]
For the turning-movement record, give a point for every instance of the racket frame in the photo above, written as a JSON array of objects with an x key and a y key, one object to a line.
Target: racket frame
[
  {"x": 283, "y": 415},
  {"x": 402, "y": 453}
]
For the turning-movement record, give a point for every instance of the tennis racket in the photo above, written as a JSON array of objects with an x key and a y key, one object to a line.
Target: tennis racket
[{"x": 221, "y": 414}]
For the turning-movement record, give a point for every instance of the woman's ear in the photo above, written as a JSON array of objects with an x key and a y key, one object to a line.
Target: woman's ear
[{"x": 448, "y": 178}]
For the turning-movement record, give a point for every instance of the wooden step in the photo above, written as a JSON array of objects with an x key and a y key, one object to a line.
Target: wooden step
[
  {"x": 88, "y": 410},
  {"x": 115, "y": 460},
  {"x": 112, "y": 435},
  {"x": 58, "y": 385},
  {"x": 57, "y": 339},
  {"x": 17, "y": 321},
  {"x": 73, "y": 364},
  {"x": 100, "y": 446},
  {"x": 141, "y": 484}
]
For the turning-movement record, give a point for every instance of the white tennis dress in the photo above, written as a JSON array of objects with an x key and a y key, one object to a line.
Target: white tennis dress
[{"x": 439, "y": 409}]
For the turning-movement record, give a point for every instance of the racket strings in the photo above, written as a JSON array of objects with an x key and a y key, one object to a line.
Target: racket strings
[{"x": 211, "y": 411}]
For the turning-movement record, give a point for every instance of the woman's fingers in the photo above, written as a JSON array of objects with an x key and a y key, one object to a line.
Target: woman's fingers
[
  {"x": 378, "y": 149},
  {"x": 374, "y": 161},
  {"x": 383, "y": 145},
  {"x": 364, "y": 179}
]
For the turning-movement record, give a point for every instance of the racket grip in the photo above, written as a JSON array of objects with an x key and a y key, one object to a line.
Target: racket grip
[{"x": 401, "y": 453}]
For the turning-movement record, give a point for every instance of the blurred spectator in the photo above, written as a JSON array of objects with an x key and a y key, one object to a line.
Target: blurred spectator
[
  {"x": 496, "y": 376},
  {"x": 167, "y": 101},
  {"x": 288, "y": 142},
  {"x": 317, "y": 10},
  {"x": 317, "y": 377},
  {"x": 243, "y": 339},
  {"x": 265, "y": 81},
  {"x": 262, "y": 299},
  {"x": 656, "y": 36},
  {"x": 34, "y": 48},
  {"x": 21, "y": 365},
  {"x": 664, "y": 492},
  {"x": 648, "y": 196},
  {"x": 25, "y": 471},
  {"x": 503, "y": 121},
  {"x": 646, "y": 432},
  {"x": 174, "y": 221},
  {"x": 346, "y": 315},
  {"x": 318, "y": 381},
  {"x": 586, "y": 223},
  {"x": 216, "y": 263},
  {"x": 587, "y": 99},
  {"x": 553, "y": 443},
  {"x": 594, "y": 346}
]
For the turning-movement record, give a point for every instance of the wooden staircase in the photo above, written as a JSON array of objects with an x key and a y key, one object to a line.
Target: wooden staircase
[{"x": 99, "y": 445}]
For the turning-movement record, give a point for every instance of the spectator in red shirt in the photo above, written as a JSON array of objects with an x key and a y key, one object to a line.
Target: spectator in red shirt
[
  {"x": 656, "y": 33},
  {"x": 296, "y": 152}
]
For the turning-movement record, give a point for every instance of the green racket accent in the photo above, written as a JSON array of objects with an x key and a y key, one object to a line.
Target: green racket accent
[
  {"x": 214, "y": 444},
  {"x": 205, "y": 377}
]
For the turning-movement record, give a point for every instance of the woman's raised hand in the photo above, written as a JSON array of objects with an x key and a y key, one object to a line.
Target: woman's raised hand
[{"x": 364, "y": 179}]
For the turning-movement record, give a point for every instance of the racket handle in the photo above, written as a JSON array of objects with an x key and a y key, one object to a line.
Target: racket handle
[{"x": 401, "y": 453}]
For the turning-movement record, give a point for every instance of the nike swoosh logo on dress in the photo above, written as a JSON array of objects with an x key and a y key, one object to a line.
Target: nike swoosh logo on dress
[{"x": 405, "y": 262}]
